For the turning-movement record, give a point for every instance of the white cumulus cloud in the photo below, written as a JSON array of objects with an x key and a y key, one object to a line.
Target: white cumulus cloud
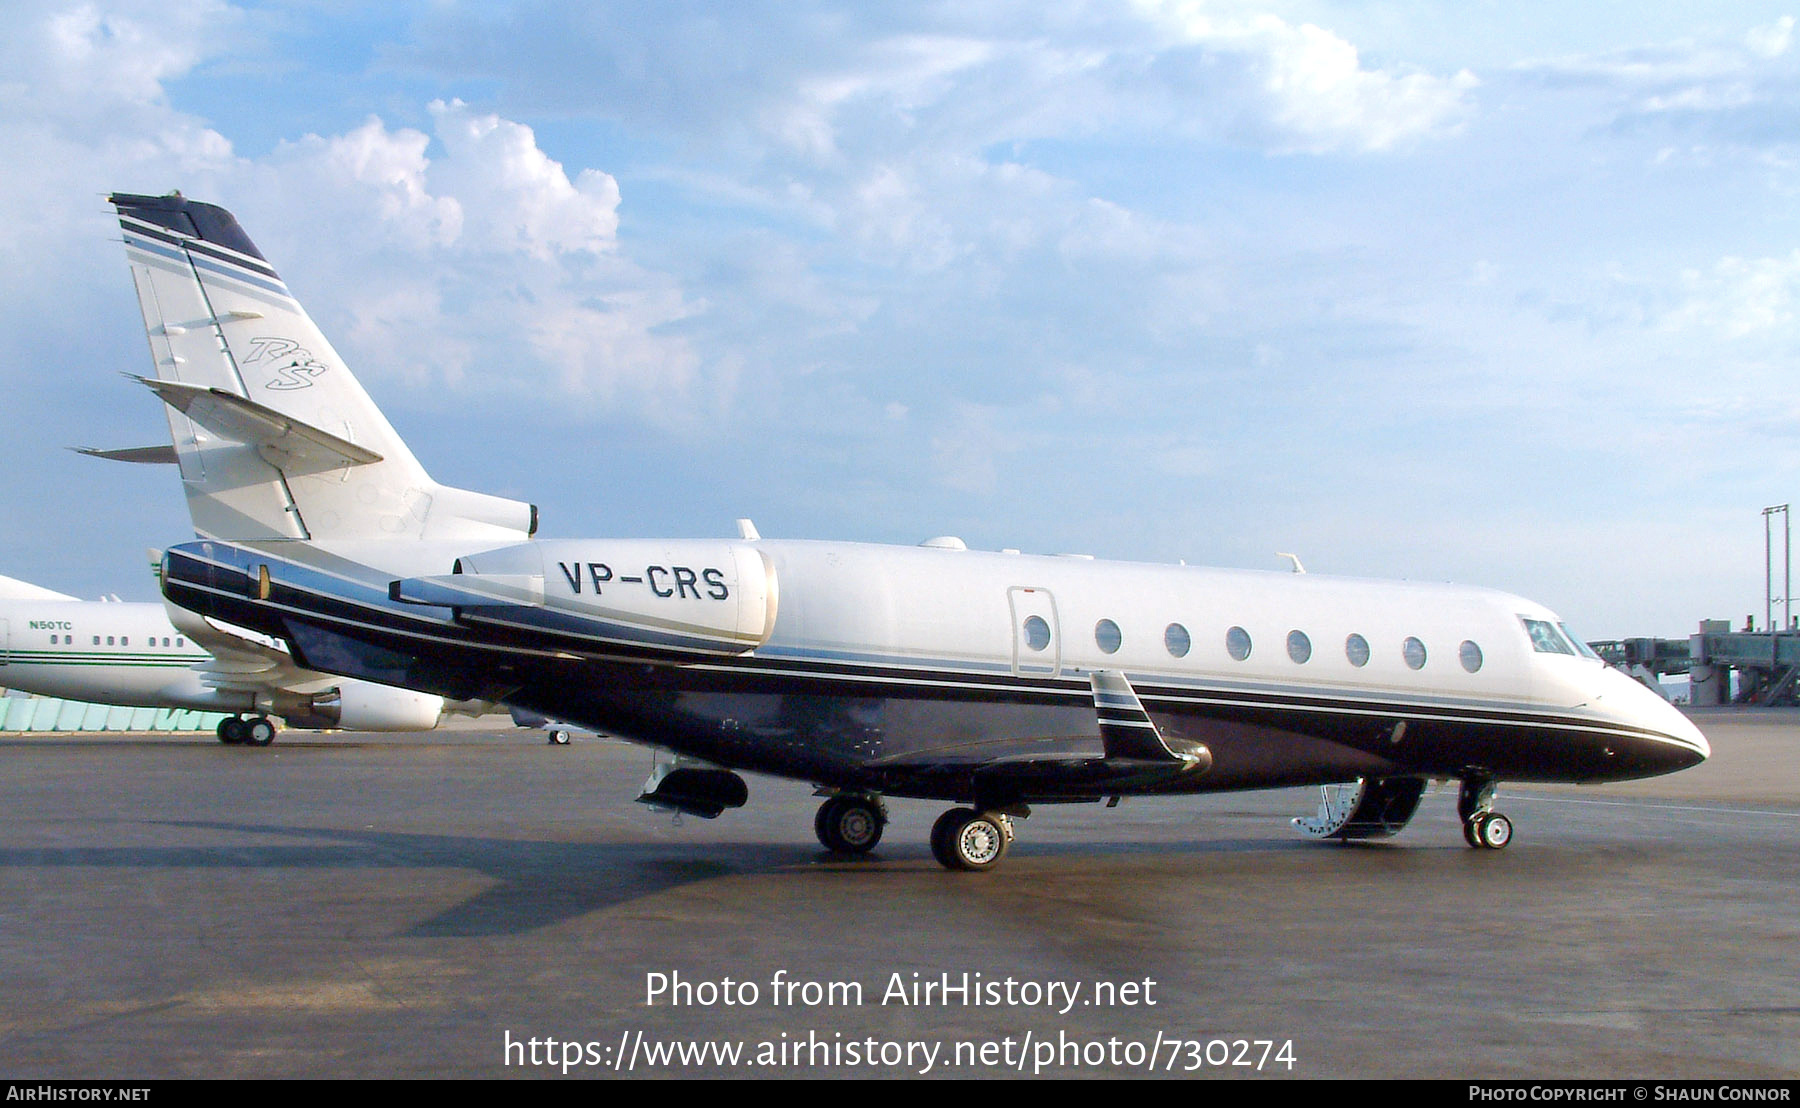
[
  {"x": 514, "y": 197},
  {"x": 1307, "y": 88},
  {"x": 470, "y": 257},
  {"x": 465, "y": 256},
  {"x": 1740, "y": 296}
]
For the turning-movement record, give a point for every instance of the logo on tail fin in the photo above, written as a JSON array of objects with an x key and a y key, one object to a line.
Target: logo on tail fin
[{"x": 297, "y": 374}]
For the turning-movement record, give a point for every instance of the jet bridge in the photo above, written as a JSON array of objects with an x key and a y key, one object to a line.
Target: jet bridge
[{"x": 1723, "y": 666}]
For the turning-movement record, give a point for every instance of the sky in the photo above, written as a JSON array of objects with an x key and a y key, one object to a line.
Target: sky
[{"x": 1499, "y": 293}]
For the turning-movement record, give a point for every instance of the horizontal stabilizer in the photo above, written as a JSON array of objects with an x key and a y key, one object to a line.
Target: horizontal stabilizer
[
  {"x": 1126, "y": 731},
  {"x": 234, "y": 417},
  {"x": 142, "y": 455}
]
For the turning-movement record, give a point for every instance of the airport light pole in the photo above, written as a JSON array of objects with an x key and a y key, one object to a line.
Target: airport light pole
[{"x": 1787, "y": 560}]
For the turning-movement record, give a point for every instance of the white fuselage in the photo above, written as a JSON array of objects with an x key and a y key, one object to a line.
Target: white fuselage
[
  {"x": 1233, "y": 658},
  {"x": 106, "y": 652},
  {"x": 1431, "y": 648}
]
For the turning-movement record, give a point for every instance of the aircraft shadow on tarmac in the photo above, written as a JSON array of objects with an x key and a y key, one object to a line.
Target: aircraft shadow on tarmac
[{"x": 539, "y": 883}]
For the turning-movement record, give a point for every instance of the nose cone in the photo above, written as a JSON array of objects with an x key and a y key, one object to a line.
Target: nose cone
[
  {"x": 1681, "y": 730},
  {"x": 1671, "y": 742}
]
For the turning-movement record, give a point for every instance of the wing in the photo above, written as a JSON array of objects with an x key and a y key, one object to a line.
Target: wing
[
  {"x": 243, "y": 661},
  {"x": 1129, "y": 752}
]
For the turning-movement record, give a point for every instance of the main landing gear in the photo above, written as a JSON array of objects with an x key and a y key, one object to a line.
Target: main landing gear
[
  {"x": 962, "y": 838},
  {"x": 850, "y": 823},
  {"x": 238, "y": 731},
  {"x": 966, "y": 839},
  {"x": 1483, "y": 828}
]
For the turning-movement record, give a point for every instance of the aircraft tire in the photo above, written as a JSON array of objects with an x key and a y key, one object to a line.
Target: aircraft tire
[
  {"x": 233, "y": 731},
  {"x": 1470, "y": 835},
  {"x": 259, "y": 731},
  {"x": 849, "y": 824},
  {"x": 965, "y": 839},
  {"x": 559, "y": 737},
  {"x": 1494, "y": 830},
  {"x": 940, "y": 832}
]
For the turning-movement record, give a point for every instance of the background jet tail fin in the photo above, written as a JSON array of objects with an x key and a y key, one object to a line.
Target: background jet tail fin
[
  {"x": 14, "y": 589},
  {"x": 221, "y": 323}
]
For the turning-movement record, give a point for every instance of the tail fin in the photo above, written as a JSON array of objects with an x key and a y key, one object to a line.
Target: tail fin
[
  {"x": 275, "y": 437},
  {"x": 14, "y": 589}
]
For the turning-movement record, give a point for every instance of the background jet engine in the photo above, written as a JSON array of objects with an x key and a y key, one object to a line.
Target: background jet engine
[{"x": 362, "y": 706}]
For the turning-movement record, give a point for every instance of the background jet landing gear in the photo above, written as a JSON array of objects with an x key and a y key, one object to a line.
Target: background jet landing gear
[
  {"x": 965, "y": 839},
  {"x": 850, "y": 823},
  {"x": 238, "y": 731},
  {"x": 1483, "y": 828}
]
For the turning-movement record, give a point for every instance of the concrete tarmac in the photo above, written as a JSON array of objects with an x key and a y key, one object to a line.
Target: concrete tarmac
[{"x": 378, "y": 906}]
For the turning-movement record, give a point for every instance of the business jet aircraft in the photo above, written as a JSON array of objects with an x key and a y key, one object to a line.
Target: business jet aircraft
[
  {"x": 993, "y": 680},
  {"x": 151, "y": 655}
]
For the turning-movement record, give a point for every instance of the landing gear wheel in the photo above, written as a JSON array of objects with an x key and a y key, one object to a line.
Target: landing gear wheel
[
  {"x": 259, "y": 731},
  {"x": 939, "y": 832},
  {"x": 1475, "y": 804},
  {"x": 966, "y": 839},
  {"x": 1006, "y": 825},
  {"x": 850, "y": 824},
  {"x": 559, "y": 737},
  {"x": 233, "y": 731},
  {"x": 1492, "y": 830}
]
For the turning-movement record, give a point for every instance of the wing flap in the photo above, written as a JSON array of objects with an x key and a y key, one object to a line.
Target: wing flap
[{"x": 1132, "y": 755}]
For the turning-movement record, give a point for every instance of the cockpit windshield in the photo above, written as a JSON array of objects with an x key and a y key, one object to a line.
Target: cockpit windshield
[
  {"x": 1545, "y": 637},
  {"x": 1581, "y": 647}
]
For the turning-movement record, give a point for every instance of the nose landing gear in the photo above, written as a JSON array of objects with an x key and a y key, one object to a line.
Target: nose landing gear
[
  {"x": 1489, "y": 831},
  {"x": 1483, "y": 828}
]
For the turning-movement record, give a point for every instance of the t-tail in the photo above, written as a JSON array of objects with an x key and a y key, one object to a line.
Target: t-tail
[{"x": 275, "y": 438}]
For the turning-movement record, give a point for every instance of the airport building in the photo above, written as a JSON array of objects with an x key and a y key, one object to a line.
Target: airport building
[{"x": 22, "y": 713}]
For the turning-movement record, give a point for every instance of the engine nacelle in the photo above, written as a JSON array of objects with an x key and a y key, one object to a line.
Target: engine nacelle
[
  {"x": 362, "y": 706},
  {"x": 683, "y": 598}
]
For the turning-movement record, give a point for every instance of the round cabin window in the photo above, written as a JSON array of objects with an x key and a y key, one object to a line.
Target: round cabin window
[
  {"x": 1107, "y": 636},
  {"x": 1299, "y": 647},
  {"x": 1237, "y": 643},
  {"x": 1470, "y": 655},
  {"x": 1177, "y": 640}
]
